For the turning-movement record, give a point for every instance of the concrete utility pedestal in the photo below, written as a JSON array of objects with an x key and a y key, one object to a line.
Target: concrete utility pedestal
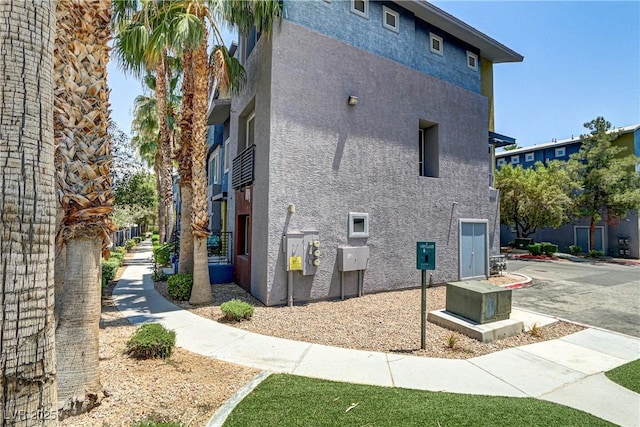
[{"x": 479, "y": 310}]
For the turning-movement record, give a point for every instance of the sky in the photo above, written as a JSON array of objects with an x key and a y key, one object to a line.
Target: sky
[{"x": 581, "y": 61}]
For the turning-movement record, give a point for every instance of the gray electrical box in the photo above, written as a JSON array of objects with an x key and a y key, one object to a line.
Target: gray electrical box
[
  {"x": 480, "y": 302},
  {"x": 312, "y": 249},
  {"x": 352, "y": 258},
  {"x": 294, "y": 249}
]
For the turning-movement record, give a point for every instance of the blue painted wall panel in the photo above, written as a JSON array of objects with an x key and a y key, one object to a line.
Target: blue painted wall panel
[{"x": 409, "y": 46}]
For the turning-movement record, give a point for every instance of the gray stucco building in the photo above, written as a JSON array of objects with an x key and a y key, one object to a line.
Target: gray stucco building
[{"x": 361, "y": 124}]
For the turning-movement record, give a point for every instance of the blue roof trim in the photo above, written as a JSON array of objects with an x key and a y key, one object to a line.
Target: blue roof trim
[{"x": 498, "y": 140}]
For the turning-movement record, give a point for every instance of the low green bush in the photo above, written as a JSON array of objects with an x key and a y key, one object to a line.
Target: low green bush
[
  {"x": 151, "y": 340},
  {"x": 118, "y": 256},
  {"x": 162, "y": 253},
  {"x": 548, "y": 248},
  {"x": 535, "y": 249},
  {"x": 596, "y": 254},
  {"x": 575, "y": 249},
  {"x": 137, "y": 239},
  {"x": 179, "y": 286},
  {"x": 129, "y": 244},
  {"x": 109, "y": 269},
  {"x": 119, "y": 249},
  {"x": 159, "y": 276},
  {"x": 236, "y": 310}
]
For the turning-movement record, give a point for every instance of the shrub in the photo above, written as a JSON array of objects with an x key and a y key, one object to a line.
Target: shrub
[
  {"x": 130, "y": 244},
  {"x": 596, "y": 254},
  {"x": 162, "y": 253},
  {"x": 159, "y": 276},
  {"x": 137, "y": 239},
  {"x": 236, "y": 310},
  {"x": 452, "y": 340},
  {"x": 548, "y": 248},
  {"x": 151, "y": 340},
  {"x": 109, "y": 269},
  {"x": 117, "y": 256},
  {"x": 179, "y": 286},
  {"x": 575, "y": 249},
  {"x": 119, "y": 249},
  {"x": 535, "y": 249}
]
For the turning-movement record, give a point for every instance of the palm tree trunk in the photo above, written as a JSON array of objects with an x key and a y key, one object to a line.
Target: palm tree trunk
[
  {"x": 186, "y": 237},
  {"x": 27, "y": 215},
  {"x": 165, "y": 145},
  {"x": 78, "y": 325},
  {"x": 161, "y": 210},
  {"x": 184, "y": 161},
  {"x": 201, "y": 291}
]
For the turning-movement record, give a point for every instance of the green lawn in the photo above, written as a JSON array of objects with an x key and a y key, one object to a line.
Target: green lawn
[
  {"x": 627, "y": 375},
  {"x": 286, "y": 400}
]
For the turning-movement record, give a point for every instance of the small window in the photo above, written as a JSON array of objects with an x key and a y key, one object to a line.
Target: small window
[
  {"x": 435, "y": 43},
  {"x": 358, "y": 224},
  {"x": 214, "y": 167},
  {"x": 428, "y": 155},
  {"x": 528, "y": 157},
  {"x": 560, "y": 152},
  {"x": 501, "y": 162},
  {"x": 360, "y": 7},
  {"x": 515, "y": 160},
  {"x": 244, "y": 234},
  {"x": 390, "y": 19},
  {"x": 226, "y": 155},
  {"x": 472, "y": 61}
]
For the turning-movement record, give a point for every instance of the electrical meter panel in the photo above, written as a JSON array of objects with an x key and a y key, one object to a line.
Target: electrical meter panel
[{"x": 312, "y": 249}]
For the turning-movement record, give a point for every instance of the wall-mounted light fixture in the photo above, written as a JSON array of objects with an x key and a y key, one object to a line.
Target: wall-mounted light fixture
[
  {"x": 353, "y": 100},
  {"x": 292, "y": 209}
]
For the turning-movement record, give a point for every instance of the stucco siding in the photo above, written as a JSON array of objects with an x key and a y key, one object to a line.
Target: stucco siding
[
  {"x": 408, "y": 46},
  {"x": 328, "y": 159}
]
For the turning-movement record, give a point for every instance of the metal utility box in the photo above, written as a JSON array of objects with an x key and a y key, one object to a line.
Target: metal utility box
[
  {"x": 294, "y": 250},
  {"x": 426, "y": 255},
  {"x": 311, "y": 259},
  {"x": 479, "y": 302},
  {"x": 352, "y": 258}
]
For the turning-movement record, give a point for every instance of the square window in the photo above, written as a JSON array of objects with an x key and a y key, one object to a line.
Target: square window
[
  {"x": 435, "y": 43},
  {"x": 560, "y": 152},
  {"x": 515, "y": 160},
  {"x": 390, "y": 19},
  {"x": 358, "y": 224},
  {"x": 500, "y": 162},
  {"x": 360, "y": 7},
  {"x": 472, "y": 61},
  {"x": 529, "y": 157}
]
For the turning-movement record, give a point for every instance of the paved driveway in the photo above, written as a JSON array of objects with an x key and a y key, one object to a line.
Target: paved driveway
[{"x": 598, "y": 294}]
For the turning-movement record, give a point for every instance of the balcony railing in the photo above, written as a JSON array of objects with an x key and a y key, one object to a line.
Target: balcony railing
[
  {"x": 243, "y": 168},
  {"x": 220, "y": 247}
]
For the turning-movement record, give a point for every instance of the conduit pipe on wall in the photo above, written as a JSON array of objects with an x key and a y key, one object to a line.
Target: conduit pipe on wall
[{"x": 290, "y": 288}]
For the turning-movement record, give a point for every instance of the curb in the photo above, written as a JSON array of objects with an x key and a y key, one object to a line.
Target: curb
[
  {"x": 221, "y": 415},
  {"x": 526, "y": 282}
]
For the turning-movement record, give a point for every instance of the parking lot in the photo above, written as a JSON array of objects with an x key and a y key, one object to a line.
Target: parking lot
[{"x": 598, "y": 294}]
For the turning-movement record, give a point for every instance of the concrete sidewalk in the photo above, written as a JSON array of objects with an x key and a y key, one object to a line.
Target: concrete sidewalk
[{"x": 566, "y": 370}]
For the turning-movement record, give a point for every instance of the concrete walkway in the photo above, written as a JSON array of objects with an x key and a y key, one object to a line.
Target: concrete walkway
[{"x": 568, "y": 370}]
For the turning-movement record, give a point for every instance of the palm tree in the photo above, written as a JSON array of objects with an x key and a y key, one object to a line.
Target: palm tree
[
  {"x": 27, "y": 329},
  {"x": 141, "y": 46},
  {"x": 190, "y": 23},
  {"x": 85, "y": 194}
]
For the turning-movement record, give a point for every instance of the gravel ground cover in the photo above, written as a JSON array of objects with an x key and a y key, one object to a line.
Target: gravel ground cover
[
  {"x": 387, "y": 322},
  {"x": 187, "y": 387}
]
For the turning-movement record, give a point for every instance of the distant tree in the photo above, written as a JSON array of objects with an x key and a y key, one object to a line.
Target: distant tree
[
  {"x": 608, "y": 181},
  {"x": 534, "y": 197},
  {"x": 126, "y": 162},
  {"x": 136, "y": 200},
  {"x": 511, "y": 147}
]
